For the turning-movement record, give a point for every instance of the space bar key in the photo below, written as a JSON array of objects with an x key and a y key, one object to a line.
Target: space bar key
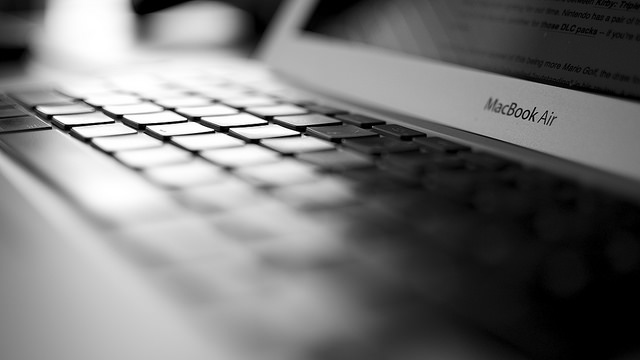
[{"x": 99, "y": 185}]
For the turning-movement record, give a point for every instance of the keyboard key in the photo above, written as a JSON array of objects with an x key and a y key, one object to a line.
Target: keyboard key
[
  {"x": 224, "y": 123},
  {"x": 163, "y": 245},
  {"x": 206, "y": 142},
  {"x": 534, "y": 180},
  {"x": 301, "y": 122},
  {"x": 281, "y": 173},
  {"x": 241, "y": 156},
  {"x": 155, "y": 94},
  {"x": 145, "y": 158},
  {"x": 31, "y": 99},
  {"x": 557, "y": 225},
  {"x": 282, "y": 226},
  {"x": 251, "y": 101},
  {"x": 210, "y": 110},
  {"x": 440, "y": 144},
  {"x": 226, "y": 195},
  {"x": 195, "y": 172},
  {"x": 325, "y": 110},
  {"x": 66, "y": 122},
  {"x": 336, "y": 160},
  {"x": 223, "y": 93},
  {"x": 417, "y": 163},
  {"x": 398, "y": 131},
  {"x": 370, "y": 181},
  {"x": 460, "y": 184},
  {"x": 252, "y": 134},
  {"x": 163, "y": 132},
  {"x": 112, "y": 99},
  {"x": 325, "y": 192},
  {"x": 359, "y": 120},
  {"x": 485, "y": 161},
  {"x": 380, "y": 145},
  {"x": 93, "y": 131},
  {"x": 279, "y": 110},
  {"x": 51, "y": 110},
  {"x": 25, "y": 123},
  {"x": 10, "y": 112},
  {"x": 136, "y": 81},
  {"x": 183, "y": 101},
  {"x": 296, "y": 145},
  {"x": 140, "y": 121},
  {"x": 141, "y": 108},
  {"x": 508, "y": 203},
  {"x": 293, "y": 96},
  {"x": 340, "y": 132},
  {"x": 125, "y": 142},
  {"x": 84, "y": 90}
]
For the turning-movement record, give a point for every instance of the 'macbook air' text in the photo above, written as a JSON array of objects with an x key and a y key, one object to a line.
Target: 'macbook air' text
[{"x": 514, "y": 110}]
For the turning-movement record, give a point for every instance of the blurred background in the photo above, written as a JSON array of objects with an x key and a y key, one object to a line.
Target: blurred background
[{"x": 91, "y": 35}]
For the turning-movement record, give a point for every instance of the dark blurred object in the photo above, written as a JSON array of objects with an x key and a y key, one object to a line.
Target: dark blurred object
[
  {"x": 21, "y": 6},
  {"x": 261, "y": 11},
  {"x": 16, "y": 27}
]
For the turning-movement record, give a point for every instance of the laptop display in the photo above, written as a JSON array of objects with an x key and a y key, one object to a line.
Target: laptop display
[
  {"x": 497, "y": 68},
  {"x": 567, "y": 44}
]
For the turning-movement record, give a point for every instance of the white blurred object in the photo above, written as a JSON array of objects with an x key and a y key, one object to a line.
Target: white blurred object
[
  {"x": 79, "y": 33},
  {"x": 90, "y": 35},
  {"x": 14, "y": 30},
  {"x": 197, "y": 24}
]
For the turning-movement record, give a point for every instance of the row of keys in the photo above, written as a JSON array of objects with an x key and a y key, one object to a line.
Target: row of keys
[
  {"x": 119, "y": 105},
  {"x": 139, "y": 151},
  {"x": 372, "y": 137}
]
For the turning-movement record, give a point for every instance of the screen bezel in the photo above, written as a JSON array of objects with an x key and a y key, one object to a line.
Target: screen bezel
[{"x": 595, "y": 130}]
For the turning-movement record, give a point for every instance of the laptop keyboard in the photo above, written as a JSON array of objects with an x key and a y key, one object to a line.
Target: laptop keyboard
[
  {"x": 207, "y": 135},
  {"x": 203, "y": 125}
]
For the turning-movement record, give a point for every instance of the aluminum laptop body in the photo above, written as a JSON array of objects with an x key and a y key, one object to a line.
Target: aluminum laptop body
[{"x": 439, "y": 180}]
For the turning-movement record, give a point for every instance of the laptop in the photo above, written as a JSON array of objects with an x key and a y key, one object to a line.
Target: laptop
[{"x": 406, "y": 179}]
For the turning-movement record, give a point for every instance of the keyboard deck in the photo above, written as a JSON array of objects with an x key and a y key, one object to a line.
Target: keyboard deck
[{"x": 264, "y": 161}]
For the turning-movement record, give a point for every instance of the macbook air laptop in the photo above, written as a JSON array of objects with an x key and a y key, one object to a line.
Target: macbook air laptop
[{"x": 410, "y": 179}]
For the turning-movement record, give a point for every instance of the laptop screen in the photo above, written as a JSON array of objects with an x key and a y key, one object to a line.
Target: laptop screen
[
  {"x": 585, "y": 45},
  {"x": 555, "y": 76}
]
